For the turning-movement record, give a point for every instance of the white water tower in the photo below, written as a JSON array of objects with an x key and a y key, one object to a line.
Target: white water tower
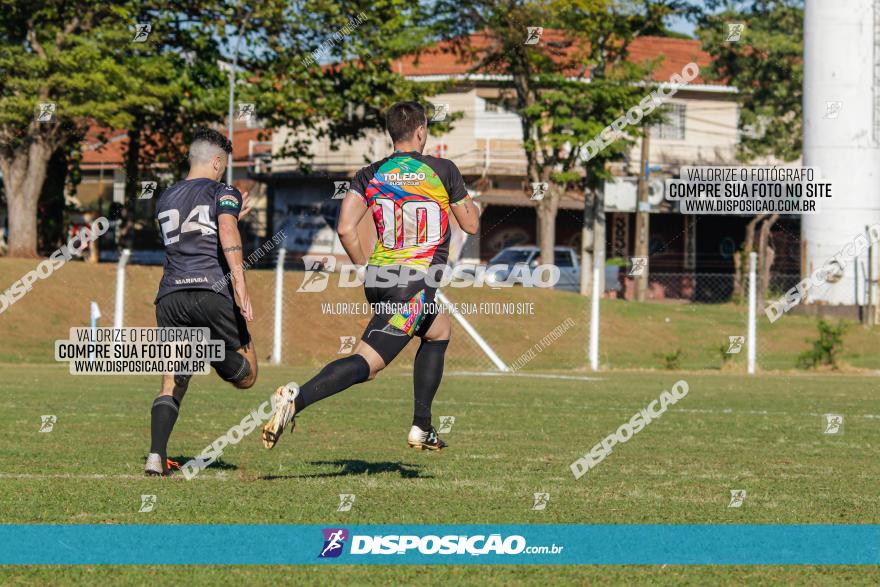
[{"x": 842, "y": 134}]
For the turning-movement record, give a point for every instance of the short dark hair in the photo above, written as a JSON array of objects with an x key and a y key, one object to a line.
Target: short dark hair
[
  {"x": 212, "y": 137},
  {"x": 403, "y": 119}
]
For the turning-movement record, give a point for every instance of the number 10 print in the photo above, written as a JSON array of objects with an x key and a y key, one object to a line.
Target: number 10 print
[{"x": 412, "y": 223}]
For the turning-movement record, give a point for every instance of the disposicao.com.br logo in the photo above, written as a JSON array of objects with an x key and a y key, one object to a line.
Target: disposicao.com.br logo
[
  {"x": 431, "y": 544},
  {"x": 334, "y": 541}
]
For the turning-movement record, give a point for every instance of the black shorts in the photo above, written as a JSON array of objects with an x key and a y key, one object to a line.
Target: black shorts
[
  {"x": 202, "y": 308},
  {"x": 400, "y": 313}
]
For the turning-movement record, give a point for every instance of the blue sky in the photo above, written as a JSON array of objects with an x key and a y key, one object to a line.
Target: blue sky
[{"x": 681, "y": 25}]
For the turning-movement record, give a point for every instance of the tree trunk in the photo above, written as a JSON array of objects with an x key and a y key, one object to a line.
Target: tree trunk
[
  {"x": 749, "y": 245},
  {"x": 125, "y": 239},
  {"x": 24, "y": 173},
  {"x": 547, "y": 224},
  {"x": 599, "y": 236},
  {"x": 740, "y": 261},
  {"x": 765, "y": 258},
  {"x": 738, "y": 289},
  {"x": 593, "y": 233},
  {"x": 546, "y": 221}
]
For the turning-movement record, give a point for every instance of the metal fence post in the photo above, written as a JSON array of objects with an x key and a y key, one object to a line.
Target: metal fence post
[
  {"x": 594, "y": 312},
  {"x": 119, "y": 308},
  {"x": 753, "y": 342},
  {"x": 279, "y": 300}
]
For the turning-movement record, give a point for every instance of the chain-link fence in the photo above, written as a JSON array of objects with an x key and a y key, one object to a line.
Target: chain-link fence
[
  {"x": 712, "y": 288},
  {"x": 689, "y": 321}
]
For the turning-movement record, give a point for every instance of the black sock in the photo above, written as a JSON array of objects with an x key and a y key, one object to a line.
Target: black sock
[
  {"x": 427, "y": 373},
  {"x": 333, "y": 378},
  {"x": 164, "y": 415}
]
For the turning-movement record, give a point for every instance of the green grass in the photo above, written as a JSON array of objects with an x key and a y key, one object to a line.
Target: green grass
[{"x": 513, "y": 436}]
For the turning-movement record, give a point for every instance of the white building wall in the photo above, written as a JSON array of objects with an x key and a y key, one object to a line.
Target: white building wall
[
  {"x": 480, "y": 137},
  {"x": 840, "y": 53}
]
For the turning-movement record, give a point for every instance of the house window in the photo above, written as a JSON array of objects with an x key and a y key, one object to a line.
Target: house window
[
  {"x": 674, "y": 125},
  {"x": 491, "y": 106}
]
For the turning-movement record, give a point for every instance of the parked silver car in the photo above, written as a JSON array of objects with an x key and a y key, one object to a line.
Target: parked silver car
[{"x": 506, "y": 268}]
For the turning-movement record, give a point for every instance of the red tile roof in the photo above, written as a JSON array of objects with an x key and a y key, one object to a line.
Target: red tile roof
[
  {"x": 112, "y": 152},
  {"x": 441, "y": 60}
]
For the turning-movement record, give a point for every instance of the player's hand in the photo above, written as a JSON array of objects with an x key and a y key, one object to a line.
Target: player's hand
[
  {"x": 244, "y": 301},
  {"x": 246, "y": 205}
]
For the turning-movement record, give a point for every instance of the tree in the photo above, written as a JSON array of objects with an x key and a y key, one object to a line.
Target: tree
[
  {"x": 59, "y": 74},
  {"x": 82, "y": 59},
  {"x": 568, "y": 87},
  {"x": 182, "y": 88},
  {"x": 325, "y": 69},
  {"x": 766, "y": 66}
]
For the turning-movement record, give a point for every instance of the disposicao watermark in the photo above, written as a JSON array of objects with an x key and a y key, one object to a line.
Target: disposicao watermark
[
  {"x": 148, "y": 502},
  {"x": 830, "y": 271},
  {"x": 335, "y": 38},
  {"x": 258, "y": 254},
  {"x": 74, "y": 248},
  {"x": 634, "y": 115},
  {"x": 233, "y": 436},
  {"x": 446, "y": 424},
  {"x": 319, "y": 267},
  {"x": 542, "y": 344},
  {"x": 47, "y": 422},
  {"x": 629, "y": 429},
  {"x": 346, "y": 502},
  {"x": 139, "y": 350}
]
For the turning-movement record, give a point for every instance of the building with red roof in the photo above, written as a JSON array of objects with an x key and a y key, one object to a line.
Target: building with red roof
[{"x": 486, "y": 144}]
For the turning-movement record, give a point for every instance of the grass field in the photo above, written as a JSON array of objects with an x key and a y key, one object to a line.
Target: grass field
[{"x": 513, "y": 436}]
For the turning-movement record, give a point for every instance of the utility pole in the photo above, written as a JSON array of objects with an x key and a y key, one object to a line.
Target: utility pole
[
  {"x": 642, "y": 218},
  {"x": 592, "y": 238},
  {"x": 870, "y": 281},
  {"x": 232, "y": 69},
  {"x": 587, "y": 244}
]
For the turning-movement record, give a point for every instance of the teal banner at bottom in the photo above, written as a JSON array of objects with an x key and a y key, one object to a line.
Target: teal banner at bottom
[{"x": 525, "y": 544}]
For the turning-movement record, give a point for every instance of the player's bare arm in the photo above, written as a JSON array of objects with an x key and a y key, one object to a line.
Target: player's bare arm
[
  {"x": 353, "y": 210},
  {"x": 467, "y": 214},
  {"x": 230, "y": 242}
]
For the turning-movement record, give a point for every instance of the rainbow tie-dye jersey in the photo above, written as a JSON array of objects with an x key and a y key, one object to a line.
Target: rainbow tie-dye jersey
[{"x": 409, "y": 195}]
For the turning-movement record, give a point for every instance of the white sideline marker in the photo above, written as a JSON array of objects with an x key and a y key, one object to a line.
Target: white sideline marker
[
  {"x": 496, "y": 360},
  {"x": 119, "y": 308}
]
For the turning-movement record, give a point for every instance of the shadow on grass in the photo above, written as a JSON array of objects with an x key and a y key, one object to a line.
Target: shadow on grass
[{"x": 357, "y": 467}]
